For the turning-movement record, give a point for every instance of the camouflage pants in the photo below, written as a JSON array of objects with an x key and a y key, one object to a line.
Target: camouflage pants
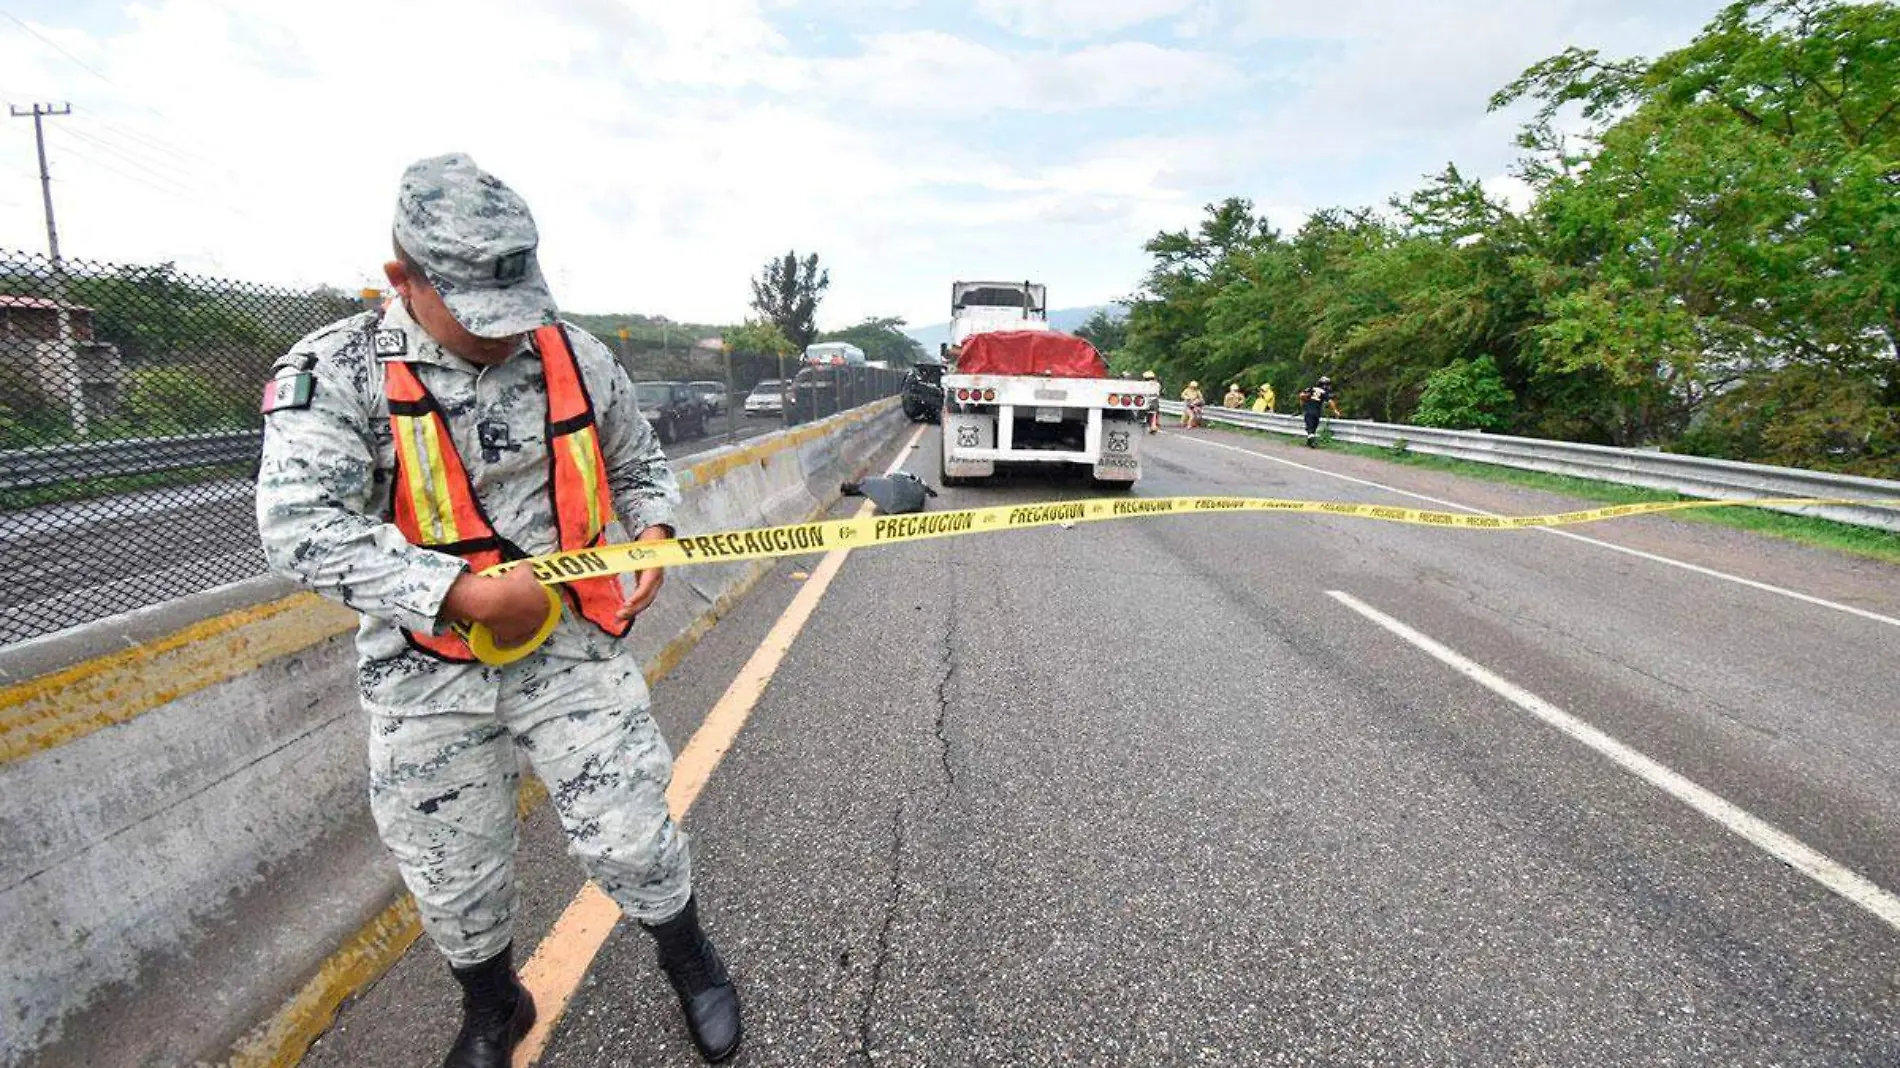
[{"x": 442, "y": 788}]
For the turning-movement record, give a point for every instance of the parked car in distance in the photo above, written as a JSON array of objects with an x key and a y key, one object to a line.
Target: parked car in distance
[
  {"x": 766, "y": 398},
  {"x": 675, "y": 411},
  {"x": 923, "y": 393},
  {"x": 712, "y": 393},
  {"x": 813, "y": 392},
  {"x": 833, "y": 354}
]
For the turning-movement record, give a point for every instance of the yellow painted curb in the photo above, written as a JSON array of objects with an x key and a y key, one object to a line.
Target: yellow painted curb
[
  {"x": 362, "y": 960},
  {"x": 282, "y": 1040},
  {"x": 65, "y": 705}
]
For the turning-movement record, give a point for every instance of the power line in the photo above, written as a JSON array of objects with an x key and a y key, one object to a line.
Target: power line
[
  {"x": 153, "y": 141},
  {"x": 54, "y": 45},
  {"x": 160, "y": 183},
  {"x": 157, "y": 167},
  {"x": 80, "y": 63},
  {"x": 157, "y": 183}
]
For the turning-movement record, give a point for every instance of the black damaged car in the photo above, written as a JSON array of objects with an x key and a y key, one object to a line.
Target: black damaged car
[{"x": 923, "y": 393}]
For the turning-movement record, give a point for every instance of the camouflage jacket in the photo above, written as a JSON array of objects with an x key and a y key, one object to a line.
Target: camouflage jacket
[{"x": 323, "y": 489}]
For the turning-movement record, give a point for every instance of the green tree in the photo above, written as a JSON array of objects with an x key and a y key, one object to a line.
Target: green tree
[
  {"x": 1106, "y": 331},
  {"x": 881, "y": 339},
  {"x": 1466, "y": 395},
  {"x": 1711, "y": 262},
  {"x": 757, "y": 338},
  {"x": 28, "y": 414},
  {"x": 1167, "y": 321},
  {"x": 758, "y": 352},
  {"x": 786, "y": 292},
  {"x": 1731, "y": 211}
]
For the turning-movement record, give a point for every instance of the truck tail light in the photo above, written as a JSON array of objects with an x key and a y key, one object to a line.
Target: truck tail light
[
  {"x": 1114, "y": 400},
  {"x": 963, "y": 395},
  {"x": 989, "y": 395}
]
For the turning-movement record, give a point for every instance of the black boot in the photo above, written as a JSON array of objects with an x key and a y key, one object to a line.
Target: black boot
[
  {"x": 699, "y": 977},
  {"x": 496, "y": 1012}
]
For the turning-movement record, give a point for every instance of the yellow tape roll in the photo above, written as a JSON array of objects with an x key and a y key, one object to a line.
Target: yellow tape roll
[
  {"x": 765, "y": 543},
  {"x": 481, "y": 640}
]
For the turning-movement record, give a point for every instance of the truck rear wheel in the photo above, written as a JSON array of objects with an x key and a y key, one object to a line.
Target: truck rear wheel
[{"x": 944, "y": 477}]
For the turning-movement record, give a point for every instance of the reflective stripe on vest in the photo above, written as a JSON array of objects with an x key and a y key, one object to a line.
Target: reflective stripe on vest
[
  {"x": 577, "y": 480},
  {"x": 436, "y": 507}
]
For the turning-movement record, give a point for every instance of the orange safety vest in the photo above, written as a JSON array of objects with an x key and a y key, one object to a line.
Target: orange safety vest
[{"x": 435, "y": 505}]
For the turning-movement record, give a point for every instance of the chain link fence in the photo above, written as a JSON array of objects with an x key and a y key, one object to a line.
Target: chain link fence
[
  {"x": 816, "y": 392},
  {"x": 129, "y": 430}
]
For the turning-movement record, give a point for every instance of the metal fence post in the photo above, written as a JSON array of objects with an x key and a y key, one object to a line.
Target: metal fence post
[{"x": 732, "y": 425}]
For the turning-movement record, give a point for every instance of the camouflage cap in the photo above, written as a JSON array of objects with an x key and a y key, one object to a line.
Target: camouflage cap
[{"x": 475, "y": 239}]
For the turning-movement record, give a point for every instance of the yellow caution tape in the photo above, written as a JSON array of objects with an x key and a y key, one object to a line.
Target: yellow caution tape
[{"x": 765, "y": 543}]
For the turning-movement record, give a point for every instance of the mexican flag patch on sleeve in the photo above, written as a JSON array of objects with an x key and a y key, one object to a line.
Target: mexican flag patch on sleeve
[{"x": 289, "y": 391}]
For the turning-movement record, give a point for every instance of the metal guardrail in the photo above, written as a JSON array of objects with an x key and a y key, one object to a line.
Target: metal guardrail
[
  {"x": 49, "y": 464},
  {"x": 1691, "y": 476}
]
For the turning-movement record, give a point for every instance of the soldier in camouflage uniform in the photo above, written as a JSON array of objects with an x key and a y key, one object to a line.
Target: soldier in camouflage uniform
[{"x": 446, "y": 734}]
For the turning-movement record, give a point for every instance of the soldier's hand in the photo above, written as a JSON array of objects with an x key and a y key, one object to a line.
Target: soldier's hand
[
  {"x": 512, "y": 606},
  {"x": 646, "y": 584},
  {"x": 518, "y": 607}
]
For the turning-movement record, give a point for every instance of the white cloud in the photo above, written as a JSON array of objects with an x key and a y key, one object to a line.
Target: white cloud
[
  {"x": 722, "y": 43},
  {"x": 938, "y": 74},
  {"x": 1510, "y": 190},
  {"x": 1077, "y": 19},
  {"x": 668, "y": 149}
]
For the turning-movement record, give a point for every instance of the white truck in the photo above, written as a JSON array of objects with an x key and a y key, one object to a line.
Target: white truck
[{"x": 1017, "y": 391}]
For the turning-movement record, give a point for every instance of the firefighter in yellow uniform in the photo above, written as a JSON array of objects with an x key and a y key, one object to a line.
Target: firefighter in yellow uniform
[
  {"x": 406, "y": 451},
  {"x": 1192, "y": 399}
]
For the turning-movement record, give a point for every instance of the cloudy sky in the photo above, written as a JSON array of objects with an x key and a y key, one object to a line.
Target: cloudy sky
[{"x": 669, "y": 147}]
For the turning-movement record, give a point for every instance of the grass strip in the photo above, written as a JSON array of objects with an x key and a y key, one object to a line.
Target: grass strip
[{"x": 1870, "y": 543}]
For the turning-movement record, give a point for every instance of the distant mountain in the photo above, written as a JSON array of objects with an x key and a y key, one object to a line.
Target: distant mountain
[{"x": 1064, "y": 319}]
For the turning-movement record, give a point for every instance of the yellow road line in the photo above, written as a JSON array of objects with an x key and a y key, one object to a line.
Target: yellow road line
[
  {"x": 561, "y": 961},
  {"x": 66, "y": 705}
]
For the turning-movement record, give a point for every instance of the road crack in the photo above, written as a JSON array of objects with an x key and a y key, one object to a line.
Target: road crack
[
  {"x": 940, "y": 727},
  {"x": 891, "y": 892},
  {"x": 894, "y": 886}
]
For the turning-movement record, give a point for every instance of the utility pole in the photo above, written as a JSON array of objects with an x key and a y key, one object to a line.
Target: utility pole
[
  {"x": 67, "y": 382},
  {"x": 39, "y": 113}
]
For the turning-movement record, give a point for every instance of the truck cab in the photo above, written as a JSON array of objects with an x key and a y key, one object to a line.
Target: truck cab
[{"x": 979, "y": 307}]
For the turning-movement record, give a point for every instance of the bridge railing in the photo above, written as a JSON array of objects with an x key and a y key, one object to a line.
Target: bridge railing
[
  {"x": 52, "y": 465},
  {"x": 1691, "y": 476}
]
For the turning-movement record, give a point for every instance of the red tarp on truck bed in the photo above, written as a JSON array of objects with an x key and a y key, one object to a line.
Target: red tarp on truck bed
[{"x": 1030, "y": 352}]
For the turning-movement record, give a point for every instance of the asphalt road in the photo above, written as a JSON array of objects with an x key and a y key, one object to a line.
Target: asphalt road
[
  {"x": 1150, "y": 793},
  {"x": 151, "y": 546}
]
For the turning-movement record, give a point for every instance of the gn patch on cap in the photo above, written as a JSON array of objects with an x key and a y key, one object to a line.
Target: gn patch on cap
[
  {"x": 512, "y": 267},
  {"x": 289, "y": 391}
]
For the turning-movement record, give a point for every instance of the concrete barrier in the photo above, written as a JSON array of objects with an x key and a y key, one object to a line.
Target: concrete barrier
[{"x": 184, "y": 838}]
